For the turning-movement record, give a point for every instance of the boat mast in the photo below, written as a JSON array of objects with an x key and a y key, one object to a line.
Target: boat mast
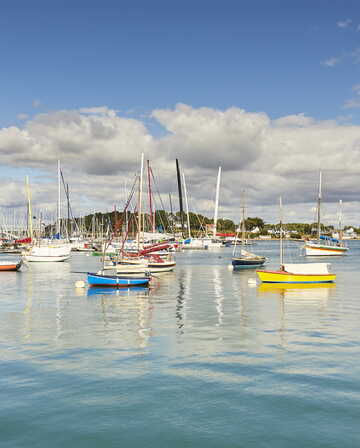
[
  {"x": 187, "y": 207},
  {"x": 180, "y": 197},
  {"x": 340, "y": 220},
  {"x": 140, "y": 200},
  {"x": 318, "y": 210},
  {"x": 68, "y": 212},
  {"x": 281, "y": 235},
  {"x": 217, "y": 202},
  {"x": 58, "y": 203},
  {"x": 152, "y": 213},
  {"x": 29, "y": 211},
  {"x": 243, "y": 221}
]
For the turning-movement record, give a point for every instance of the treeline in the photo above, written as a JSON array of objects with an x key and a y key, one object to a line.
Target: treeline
[{"x": 116, "y": 221}]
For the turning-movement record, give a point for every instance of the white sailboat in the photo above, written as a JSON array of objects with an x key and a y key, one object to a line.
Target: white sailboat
[
  {"x": 53, "y": 249},
  {"x": 324, "y": 245},
  {"x": 190, "y": 242},
  {"x": 214, "y": 242}
]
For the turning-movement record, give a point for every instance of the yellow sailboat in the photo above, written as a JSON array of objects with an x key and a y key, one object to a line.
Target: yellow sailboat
[{"x": 299, "y": 273}]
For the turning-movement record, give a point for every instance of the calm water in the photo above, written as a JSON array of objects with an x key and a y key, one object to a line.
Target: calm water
[{"x": 204, "y": 359}]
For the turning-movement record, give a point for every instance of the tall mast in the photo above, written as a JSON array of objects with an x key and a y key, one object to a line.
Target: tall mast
[
  {"x": 152, "y": 214},
  {"x": 318, "y": 210},
  {"x": 281, "y": 235},
  {"x": 29, "y": 211},
  {"x": 340, "y": 219},
  {"x": 180, "y": 196},
  {"x": 58, "y": 203},
  {"x": 68, "y": 210},
  {"x": 217, "y": 201},
  {"x": 243, "y": 220},
  {"x": 187, "y": 207},
  {"x": 140, "y": 200},
  {"x": 172, "y": 215}
]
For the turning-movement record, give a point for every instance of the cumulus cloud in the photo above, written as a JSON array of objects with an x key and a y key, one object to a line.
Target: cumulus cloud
[
  {"x": 100, "y": 153},
  {"x": 298, "y": 120}
]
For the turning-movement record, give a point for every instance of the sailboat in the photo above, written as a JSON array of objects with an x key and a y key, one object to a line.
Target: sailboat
[
  {"x": 144, "y": 259},
  {"x": 190, "y": 242},
  {"x": 246, "y": 259},
  {"x": 324, "y": 245},
  {"x": 301, "y": 273},
  {"x": 48, "y": 250},
  {"x": 214, "y": 243}
]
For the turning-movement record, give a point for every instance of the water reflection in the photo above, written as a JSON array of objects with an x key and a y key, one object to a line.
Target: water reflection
[
  {"x": 123, "y": 292},
  {"x": 321, "y": 291},
  {"x": 125, "y": 309},
  {"x": 180, "y": 302},
  {"x": 219, "y": 294}
]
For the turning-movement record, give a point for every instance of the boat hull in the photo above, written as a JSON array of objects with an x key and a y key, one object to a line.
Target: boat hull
[
  {"x": 316, "y": 250},
  {"x": 116, "y": 281},
  {"x": 289, "y": 278},
  {"x": 43, "y": 259},
  {"x": 239, "y": 263},
  {"x": 10, "y": 266}
]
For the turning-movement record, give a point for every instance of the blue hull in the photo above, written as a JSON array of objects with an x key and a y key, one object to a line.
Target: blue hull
[{"x": 116, "y": 281}]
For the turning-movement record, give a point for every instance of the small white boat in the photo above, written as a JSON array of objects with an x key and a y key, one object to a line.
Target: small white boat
[{"x": 48, "y": 253}]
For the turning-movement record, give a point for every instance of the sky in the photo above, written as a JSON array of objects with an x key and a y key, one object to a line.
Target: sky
[{"x": 269, "y": 90}]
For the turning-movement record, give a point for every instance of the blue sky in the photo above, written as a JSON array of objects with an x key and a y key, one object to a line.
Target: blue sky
[
  {"x": 141, "y": 55},
  {"x": 185, "y": 71}
]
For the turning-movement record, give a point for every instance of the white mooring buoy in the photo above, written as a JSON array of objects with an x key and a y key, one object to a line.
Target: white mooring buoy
[{"x": 80, "y": 284}]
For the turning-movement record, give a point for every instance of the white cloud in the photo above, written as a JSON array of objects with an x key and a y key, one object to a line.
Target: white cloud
[
  {"x": 352, "y": 104},
  {"x": 100, "y": 152},
  {"x": 344, "y": 23},
  {"x": 36, "y": 104},
  {"x": 298, "y": 120},
  {"x": 331, "y": 62}
]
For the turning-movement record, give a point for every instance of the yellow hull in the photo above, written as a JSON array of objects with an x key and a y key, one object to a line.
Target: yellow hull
[{"x": 286, "y": 277}]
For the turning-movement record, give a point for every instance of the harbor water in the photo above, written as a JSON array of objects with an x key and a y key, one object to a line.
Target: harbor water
[{"x": 204, "y": 358}]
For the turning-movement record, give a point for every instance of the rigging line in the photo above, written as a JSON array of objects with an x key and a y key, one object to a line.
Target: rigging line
[{"x": 161, "y": 202}]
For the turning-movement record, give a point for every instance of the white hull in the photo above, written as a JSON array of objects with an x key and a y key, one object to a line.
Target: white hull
[
  {"x": 46, "y": 259},
  {"x": 48, "y": 253},
  {"x": 143, "y": 265},
  {"x": 314, "y": 250}
]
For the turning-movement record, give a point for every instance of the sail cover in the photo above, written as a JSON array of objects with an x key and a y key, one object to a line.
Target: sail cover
[{"x": 307, "y": 268}]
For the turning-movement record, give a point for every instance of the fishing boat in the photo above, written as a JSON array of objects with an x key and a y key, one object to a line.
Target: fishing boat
[
  {"x": 309, "y": 273},
  {"x": 325, "y": 245},
  {"x": 10, "y": 265},
  {"x": 116, "y": 281},
  {"x": 246, "y": 259}
]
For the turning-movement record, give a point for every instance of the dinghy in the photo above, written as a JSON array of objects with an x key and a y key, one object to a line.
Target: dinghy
[{"x": 116, "y": 281}]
